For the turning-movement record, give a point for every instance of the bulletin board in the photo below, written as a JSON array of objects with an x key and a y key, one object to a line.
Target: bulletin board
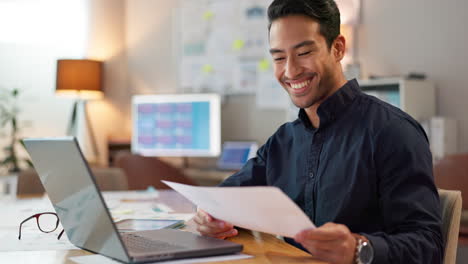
[{"x": 225, "y": 50}]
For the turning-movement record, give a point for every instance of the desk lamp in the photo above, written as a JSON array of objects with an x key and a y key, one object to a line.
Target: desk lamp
[{"x": 80, "y": 79}]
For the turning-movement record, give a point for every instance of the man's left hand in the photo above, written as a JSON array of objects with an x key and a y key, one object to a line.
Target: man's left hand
[{"x": 333, "y": 243}]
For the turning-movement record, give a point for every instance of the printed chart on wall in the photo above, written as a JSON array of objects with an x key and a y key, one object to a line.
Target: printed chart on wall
[{"x": 225, "y": 50}]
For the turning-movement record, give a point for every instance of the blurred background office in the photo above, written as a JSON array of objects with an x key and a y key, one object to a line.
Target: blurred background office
[{"x": 413, "y": 51}]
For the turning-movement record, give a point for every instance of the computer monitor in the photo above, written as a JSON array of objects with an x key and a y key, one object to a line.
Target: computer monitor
[{"x": 182, "y": 125}]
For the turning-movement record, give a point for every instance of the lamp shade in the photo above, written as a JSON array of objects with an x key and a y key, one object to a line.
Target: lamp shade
[{"x": 79, "y": 78}]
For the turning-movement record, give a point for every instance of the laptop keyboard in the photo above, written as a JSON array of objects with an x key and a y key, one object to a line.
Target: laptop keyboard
[{"x": 141, "y": 244}]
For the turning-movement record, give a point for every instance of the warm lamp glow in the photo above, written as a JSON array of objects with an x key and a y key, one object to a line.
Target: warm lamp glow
[
  {"x": 83, "y": 94},
  {"x": 79, "y": 79}
]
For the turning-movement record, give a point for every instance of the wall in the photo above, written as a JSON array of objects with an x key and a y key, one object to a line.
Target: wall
[
  {"x": 152, "y": 35},
  {"x": 32, "y": 37},
  {"x": 428, "y": 36},
  {"x": 151, "y": 48},
  {"x": 242, "y": 120},
  {"x": 106, "y": 42}
]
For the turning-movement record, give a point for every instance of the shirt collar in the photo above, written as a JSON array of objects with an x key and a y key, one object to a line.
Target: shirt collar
[{"x": 334, "y": 105}]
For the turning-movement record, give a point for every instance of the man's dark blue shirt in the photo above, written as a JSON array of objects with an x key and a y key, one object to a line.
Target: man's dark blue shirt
[{"x": 367, "y": 166}]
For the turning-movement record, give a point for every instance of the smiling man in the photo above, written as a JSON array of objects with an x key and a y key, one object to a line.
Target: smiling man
[{"x": 360, "y": 168}]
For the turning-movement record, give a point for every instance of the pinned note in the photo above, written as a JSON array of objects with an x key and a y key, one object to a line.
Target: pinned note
[
  {"x": 208, "y": 15},
  {"x": 207, "y": 68},
  {"x": 264, "y": 65},
  {"x": 238, "y": 44}
]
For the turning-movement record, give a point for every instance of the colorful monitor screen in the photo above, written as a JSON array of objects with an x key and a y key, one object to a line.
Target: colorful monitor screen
[{"x": 184, "y": 125}]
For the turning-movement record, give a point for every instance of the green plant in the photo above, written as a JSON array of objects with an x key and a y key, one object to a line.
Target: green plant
[{"x": 9, "y": 111}]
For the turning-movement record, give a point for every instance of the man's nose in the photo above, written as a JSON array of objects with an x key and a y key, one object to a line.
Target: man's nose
[{"x": 293, "y": 69}]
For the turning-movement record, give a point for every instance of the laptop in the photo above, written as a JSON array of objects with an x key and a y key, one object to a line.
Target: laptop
[
  {"x": 87, "y": 221},
  {"x": 236, "y": 153}
]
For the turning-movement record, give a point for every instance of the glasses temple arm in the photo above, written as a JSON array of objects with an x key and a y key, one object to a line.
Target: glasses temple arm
[{"x": 60, "y": 235}]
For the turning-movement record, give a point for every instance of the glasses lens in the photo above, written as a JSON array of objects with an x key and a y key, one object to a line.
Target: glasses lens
[{"x": 48, "y": 222}]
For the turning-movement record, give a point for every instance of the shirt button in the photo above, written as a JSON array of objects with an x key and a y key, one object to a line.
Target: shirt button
[{"x": 311, "y": 175}]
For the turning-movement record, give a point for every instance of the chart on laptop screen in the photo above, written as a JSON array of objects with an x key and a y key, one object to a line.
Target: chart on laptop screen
[{"x": 176, "y": 125}]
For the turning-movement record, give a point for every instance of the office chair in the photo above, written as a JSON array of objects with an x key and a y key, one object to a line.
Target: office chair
[
  {"x": 451, "y": 204},
  {"x": 29, "y": 183},
  {"x": 451, "y": 173},
  {"x": 148, "y": 171},
  {"x": 108, "y": 179}
]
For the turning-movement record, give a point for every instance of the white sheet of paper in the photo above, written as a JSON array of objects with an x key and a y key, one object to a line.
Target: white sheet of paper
[
  {"x": 99, "y": 259},
  {"x": 265, "y": 209},
  {"x": 130, "y": 196},
  {"x": 33, "y": 240},
  {"x": 16, "y": 210}
]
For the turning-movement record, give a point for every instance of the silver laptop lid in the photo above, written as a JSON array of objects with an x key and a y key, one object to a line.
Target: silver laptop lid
[{"x": 73, "y": 192}]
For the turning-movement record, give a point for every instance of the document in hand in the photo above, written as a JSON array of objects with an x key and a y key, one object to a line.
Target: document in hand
[{"x": 265, "y": 209}]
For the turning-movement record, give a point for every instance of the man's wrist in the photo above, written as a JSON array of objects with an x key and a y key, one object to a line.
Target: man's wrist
[
  {"x": 356, "y": 244},
  {"x": 364, "y": 253},
  {"x": 358, "y": 236}
]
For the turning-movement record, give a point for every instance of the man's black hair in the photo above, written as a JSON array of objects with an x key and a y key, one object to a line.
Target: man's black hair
[{"x": 325, "y": 12}]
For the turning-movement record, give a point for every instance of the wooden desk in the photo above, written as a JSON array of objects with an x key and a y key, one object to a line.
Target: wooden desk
[{"x": 263, "y": 247}]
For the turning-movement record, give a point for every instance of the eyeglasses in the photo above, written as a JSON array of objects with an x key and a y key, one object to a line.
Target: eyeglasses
[{"x": 46, "y": 222}]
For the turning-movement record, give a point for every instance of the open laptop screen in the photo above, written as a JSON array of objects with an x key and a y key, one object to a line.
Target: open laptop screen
[{"x": 67, "y": 179}]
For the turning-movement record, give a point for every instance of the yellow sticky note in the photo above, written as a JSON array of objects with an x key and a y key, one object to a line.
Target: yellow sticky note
[
  {"x": 207, "y": 68},
  {"x": 208, "y": 15},
  {"x": 264, "y": 65},
  {"x": 238, "y": 44}
]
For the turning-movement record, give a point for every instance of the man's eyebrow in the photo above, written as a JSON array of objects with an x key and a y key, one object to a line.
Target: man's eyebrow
[
  {"x": 304, "y": 43},
  {"x": 299, "y": 45},
  {"x": 273, "y": 51}
]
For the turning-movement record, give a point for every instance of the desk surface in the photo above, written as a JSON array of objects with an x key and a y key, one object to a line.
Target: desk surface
[{"x": 263, "y": 247}]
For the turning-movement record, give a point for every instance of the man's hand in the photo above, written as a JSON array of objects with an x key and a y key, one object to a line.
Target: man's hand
[
  {"x": 207, "y": 225},
  {"x": 333, "y": 243}
]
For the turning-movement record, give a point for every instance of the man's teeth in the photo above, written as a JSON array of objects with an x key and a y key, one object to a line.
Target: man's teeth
[{"x": 300, "y": 85}]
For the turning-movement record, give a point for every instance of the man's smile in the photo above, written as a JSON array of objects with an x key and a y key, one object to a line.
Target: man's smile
[{"x": 300, "y": 86}]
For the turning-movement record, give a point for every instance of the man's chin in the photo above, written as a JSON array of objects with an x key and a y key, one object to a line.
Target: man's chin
[{"x": 301, "y": 103}]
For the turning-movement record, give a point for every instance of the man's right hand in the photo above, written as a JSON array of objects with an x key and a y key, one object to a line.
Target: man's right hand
[{"x": 207, "y": 225}]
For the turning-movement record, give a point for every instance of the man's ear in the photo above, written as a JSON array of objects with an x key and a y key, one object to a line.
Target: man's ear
[{"x": 339, "y": 47}]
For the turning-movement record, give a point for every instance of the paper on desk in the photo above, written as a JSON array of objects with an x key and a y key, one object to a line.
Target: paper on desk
[
  {"x": 33, "y": 240},
  {"x": 115, "y": 198},
  {"x": 143, "y": 195},
  {"x": 156, "y": 216},
  {"x": 99, "y": 259},
  {"x": 13, "y": 210},
  {"x": 135, "y": 205},
  {"x": 265, "y": 209}
]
